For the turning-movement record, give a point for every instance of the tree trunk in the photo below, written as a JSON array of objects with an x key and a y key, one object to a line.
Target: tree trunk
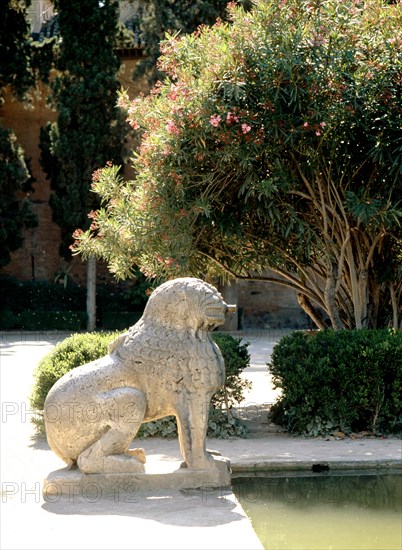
[
  {"x": 330, "y": 302},
  {"x": 229, "y": 293},
  {"x": 91, "y": 293},
  {"x": 308, "y": 308}
]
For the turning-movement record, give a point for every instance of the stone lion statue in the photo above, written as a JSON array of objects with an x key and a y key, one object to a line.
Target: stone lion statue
[{"x": 166, "y": 364}]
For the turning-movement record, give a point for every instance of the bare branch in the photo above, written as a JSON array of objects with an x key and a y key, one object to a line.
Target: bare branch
[{"x": 395, "y": 309}]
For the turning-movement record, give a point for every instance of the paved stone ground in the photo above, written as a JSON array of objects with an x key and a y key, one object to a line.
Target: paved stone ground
[{"x": 94, "y": 520}]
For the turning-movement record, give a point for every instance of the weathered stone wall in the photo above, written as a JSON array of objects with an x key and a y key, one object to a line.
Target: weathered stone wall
[
  {"x": 41, "y": 243},
  {"x": 269, "y": 306},
  {"x": 263, "y": 305}
]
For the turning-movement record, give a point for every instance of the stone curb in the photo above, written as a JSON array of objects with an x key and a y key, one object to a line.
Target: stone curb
[{"x": 314, "y": 466}]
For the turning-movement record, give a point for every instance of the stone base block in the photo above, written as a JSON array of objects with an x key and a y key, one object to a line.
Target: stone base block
[{"x": 74, "y": 483}]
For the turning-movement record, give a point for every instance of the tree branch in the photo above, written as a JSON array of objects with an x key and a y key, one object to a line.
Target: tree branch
[{"x": 308, "y": 308}]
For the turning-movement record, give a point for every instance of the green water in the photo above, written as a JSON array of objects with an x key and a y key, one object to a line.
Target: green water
[{"x": 320, "y": 512}]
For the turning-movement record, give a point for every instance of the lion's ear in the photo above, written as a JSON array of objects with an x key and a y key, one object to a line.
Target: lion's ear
[{"x": 119, "y": 340}]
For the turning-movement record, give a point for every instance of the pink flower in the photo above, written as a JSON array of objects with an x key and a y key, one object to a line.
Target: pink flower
[
  {"x": 305, "y": 124},
  {"x": 92, "y": 215},
  {"x": 323, "y": 124},
  {"x": 173, "y": 93},
  {"x": 231, "y": 118},
  {"x": 215, "y": 120},
  {"x": 317, "y": 133},
  {"x": 245, "y": 128},
  {"x": 171, "y": 127},
  {"x": 96, "y": 176}
]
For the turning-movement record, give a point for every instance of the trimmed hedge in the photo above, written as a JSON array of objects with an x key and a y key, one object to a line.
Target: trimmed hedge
[
  {"x": 119, "y": 320},
  {"x": 65, "y": 320},
  {"x": 7, "y": 319},
  {"x": 44, "y": 320},
  {"x": 347, "y": 381},
  {"x": 80, "y": 349},
  {"x": 19, "y": 296},
  {"x": 42, "y": 305}
]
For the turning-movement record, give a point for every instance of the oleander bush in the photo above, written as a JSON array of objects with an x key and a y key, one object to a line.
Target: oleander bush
[
  {"x": 273, "y": 142},
  {"x": 82, "y": 348},
  {"x": 347, "y": 380}
]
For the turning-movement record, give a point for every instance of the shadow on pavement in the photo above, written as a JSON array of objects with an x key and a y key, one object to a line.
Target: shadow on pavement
[{"x": 205, "y": 507}]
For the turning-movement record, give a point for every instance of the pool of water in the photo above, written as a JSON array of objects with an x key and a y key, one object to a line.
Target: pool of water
[{"x": 334, "y": 511}]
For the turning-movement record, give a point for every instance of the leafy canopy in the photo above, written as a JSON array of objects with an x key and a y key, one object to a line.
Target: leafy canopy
[{"x": 275, "y": 143}]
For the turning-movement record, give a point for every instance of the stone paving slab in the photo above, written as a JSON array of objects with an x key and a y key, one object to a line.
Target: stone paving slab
[{"x": 132, "y": 520}]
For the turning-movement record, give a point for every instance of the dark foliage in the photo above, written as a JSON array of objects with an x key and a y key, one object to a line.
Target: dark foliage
[{"x": 89, "y": 131}]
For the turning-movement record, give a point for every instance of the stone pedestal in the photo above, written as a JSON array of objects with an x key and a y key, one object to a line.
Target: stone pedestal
[{"x": 73, "y": 483}]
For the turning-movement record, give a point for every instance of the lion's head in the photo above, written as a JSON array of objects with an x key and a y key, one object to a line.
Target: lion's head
[{"x": 186, "y": 303}]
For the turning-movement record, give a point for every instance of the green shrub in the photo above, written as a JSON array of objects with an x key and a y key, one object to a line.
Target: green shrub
[
  {"x": 43, "y": 320},
  {"x": 19, "y": 296},
  {"x": 237, "y": 358},
  {"x": 220, "y": 425},
  {"x": 51, "y": 320},
  {"x": 33, "y": 305},
  {"x": 8, "y": 320},
  {"x": 72, "y": 352},
  {"x": 119, "y": 320},
  {"x": 83, "y": 348},
  {"x": 339, "y": 381}
]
